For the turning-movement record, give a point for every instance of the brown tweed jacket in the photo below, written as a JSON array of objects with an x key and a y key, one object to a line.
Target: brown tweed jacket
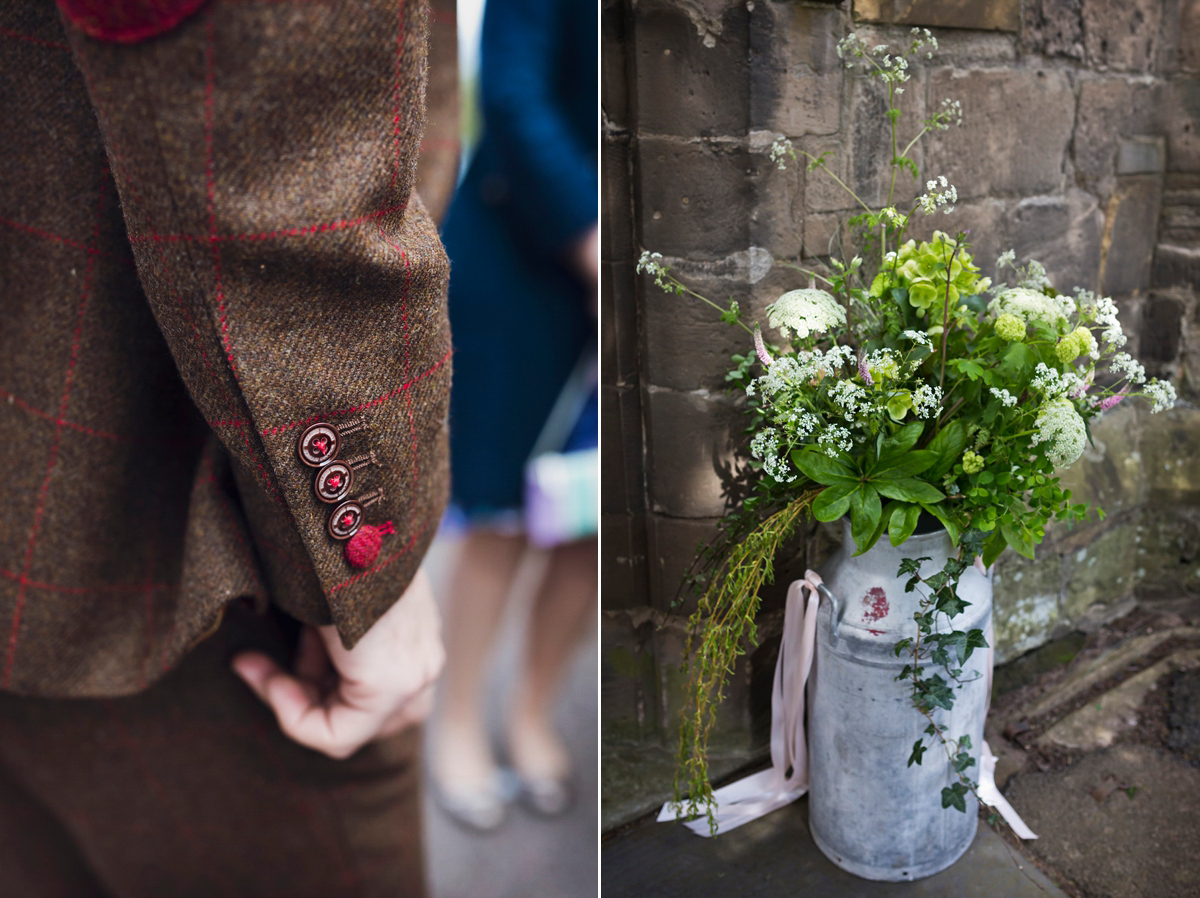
[{"x": 209, "y": 242}]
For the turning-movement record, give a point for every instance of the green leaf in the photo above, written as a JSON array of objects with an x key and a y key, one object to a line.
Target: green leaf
[
  {"x": 865, "y": 510},
  {"x": 955, "y": 796},
  {"x": 909, "y": 489},
  {"x": 1019, "y": 539},
  {"x": 833, "y": 501},
  {"x": 905, "y": 464},
  {"x": 903, "y": 440},
  {"x": 1018, "y": 361},
  {"x": 904, "y": 522},
  {"x": 948, "y": 444},
  {"x": 918, "y": 750},
  {"x": 942, "y": 514},
  {"x": 820, "y": 468}
]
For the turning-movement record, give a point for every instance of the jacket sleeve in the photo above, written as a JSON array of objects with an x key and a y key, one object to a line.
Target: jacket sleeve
[
  {"x": 527, "y": 108},
  {"x": 265, "y": 155}
]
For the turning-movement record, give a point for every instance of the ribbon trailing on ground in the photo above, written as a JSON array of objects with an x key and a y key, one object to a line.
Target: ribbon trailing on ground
[{"x": 786, "y": 779}]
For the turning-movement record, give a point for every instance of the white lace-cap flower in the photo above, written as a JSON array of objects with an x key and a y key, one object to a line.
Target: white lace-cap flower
[
  {"x": 1062, "y": 429},
  {"x": 805, "y": 313},
  {"x": 1031, "y": 306}
]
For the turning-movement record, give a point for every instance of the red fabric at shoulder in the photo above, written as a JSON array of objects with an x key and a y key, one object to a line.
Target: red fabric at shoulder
[{"x": 127, "y": 21}]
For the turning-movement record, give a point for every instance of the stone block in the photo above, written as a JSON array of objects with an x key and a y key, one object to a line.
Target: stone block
[
  {"x": 777, "y": 219},
  {"x": 1179, "y": 223},
  {"x": 1169, "y": 441},
  {"x": 871, "y": 140},
  {"x": 619, "y": 340},
  {"x": 617, "y": 240},
  {"x": 615, "y": 38},
  {"x": 1026, "y": 602},
  {"x": 1111, "y": 110},
  {"x": 693, "y": 76},
  {"x": 1182, "y": 118},
  {"x": 796, "y": 75},
  {"x": 621, "y": 488},
  {"x": 985, "y": 220},
  {"x": 978, "y": 49},
  {"x": 998, "y": 15},
  {"x": 1141, "y": 156},
  {"x": 733, "y": 732},
  {"x": 1110, "y": 475},
  {"x": 1102, "y": 573},
  {"x": 1122, "y": 35},
  {"x": 674, "y": 544},
  {"x": 1168, "y": 557},
  {"x": 696, "y": 197},
  {"x": 687, "y": 346},
  {"x": 1188, "y": 48},
  {"x": 1053, "y": 28},
  {"x": 1175, "y": 264},
  {"x": 628, "y": 679},
  {"x": 1063, "y": 232},
  {"x": 1162, "y": 317},
  {"x": 1130, "y": 234},
  {"x": 996, "y": 152},
  {"x": 623, "y": 561},
  {"x": 691, "y": 440}
]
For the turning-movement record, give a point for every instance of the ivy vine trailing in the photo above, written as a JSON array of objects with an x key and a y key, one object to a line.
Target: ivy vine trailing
[
  {"x": 909, "y": 385},
  {"x": 949, "y": 649}
]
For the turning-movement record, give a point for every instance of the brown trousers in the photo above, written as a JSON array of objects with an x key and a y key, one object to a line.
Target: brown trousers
[{"x": 189, "y": 788}]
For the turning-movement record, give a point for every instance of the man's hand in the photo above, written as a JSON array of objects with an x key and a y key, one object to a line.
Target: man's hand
[{"x": 337, "y": 700}]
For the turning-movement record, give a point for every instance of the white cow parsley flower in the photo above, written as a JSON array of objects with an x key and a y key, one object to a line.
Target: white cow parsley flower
[
  {"x": 927, "y": 400},
  {"x": 917, "y": 337},
  {"x": 765, "y": 447},
  {"x": 849, "y": 398},
  {"x": 835, "y": 438},
  {"x": 1163, "y": 394},
  {"x": 1007, "y": 399},
  {"x": 1124, "y": 363},
  {"x": 938, "y": 193},
  {"x": 805, "y": 312}
]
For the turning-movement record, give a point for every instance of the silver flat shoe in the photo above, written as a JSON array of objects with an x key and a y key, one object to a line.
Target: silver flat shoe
[
  {"x": 481, "y": 810},
  {"x": 546, "y": 796}
]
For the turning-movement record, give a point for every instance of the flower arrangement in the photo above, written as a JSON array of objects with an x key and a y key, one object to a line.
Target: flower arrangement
[{"x": 907, "y": 385}]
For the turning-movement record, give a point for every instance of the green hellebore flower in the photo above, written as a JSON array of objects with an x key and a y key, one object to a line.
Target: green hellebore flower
[{"x": 899, "y": 405}]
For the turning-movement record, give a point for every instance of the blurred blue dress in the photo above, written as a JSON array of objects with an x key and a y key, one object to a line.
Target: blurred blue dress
[{"x": 519, "y": 316}]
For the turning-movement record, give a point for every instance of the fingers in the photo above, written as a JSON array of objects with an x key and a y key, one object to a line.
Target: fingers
[
  {"x": 334, "y": 725},
  {"x": 312, "y": 660}
]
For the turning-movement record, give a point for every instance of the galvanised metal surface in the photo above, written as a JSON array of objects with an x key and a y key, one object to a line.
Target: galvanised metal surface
[{"x": 869, "y": 812}]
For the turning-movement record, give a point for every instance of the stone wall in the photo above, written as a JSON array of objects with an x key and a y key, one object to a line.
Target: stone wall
[{"x": 1080, "y": 147}]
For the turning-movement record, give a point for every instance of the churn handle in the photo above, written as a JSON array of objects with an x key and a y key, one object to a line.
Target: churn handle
[{"x": 836, "y": 603}]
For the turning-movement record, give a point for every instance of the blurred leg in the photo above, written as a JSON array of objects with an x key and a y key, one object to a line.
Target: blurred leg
[
  {"x": 562, "y": 613},
  {"x": 461, "y": 753}
]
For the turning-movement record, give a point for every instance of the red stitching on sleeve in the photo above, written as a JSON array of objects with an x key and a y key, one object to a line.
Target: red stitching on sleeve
[
  {"x": 66, "y": 241},
  {"x": 91, "y": 431},
  {"x": 83, "y": 590},
  {"x": 340, "y": 224},
  {"x": 16, "y": 35},
  {"x": 370, "y": 403},
  {"x": 68, "y": 379}
]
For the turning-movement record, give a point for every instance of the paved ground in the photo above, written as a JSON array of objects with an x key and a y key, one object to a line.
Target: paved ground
[
  {"x": 775, "y": 856},
  {"x": 527, "y": 856}
]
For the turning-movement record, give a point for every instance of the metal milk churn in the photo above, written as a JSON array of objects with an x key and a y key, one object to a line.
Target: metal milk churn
[{"x": 869, "y": 812}]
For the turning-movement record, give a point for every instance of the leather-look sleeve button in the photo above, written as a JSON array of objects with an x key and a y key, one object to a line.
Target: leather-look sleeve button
[
  {"x": 319, "y": 445},
  {"x": 334, "y": 481},
  {"x": 345, "y": 520}
]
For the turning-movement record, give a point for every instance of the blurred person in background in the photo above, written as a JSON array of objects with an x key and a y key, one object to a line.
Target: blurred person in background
[{"x": 522, "y": 238}]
